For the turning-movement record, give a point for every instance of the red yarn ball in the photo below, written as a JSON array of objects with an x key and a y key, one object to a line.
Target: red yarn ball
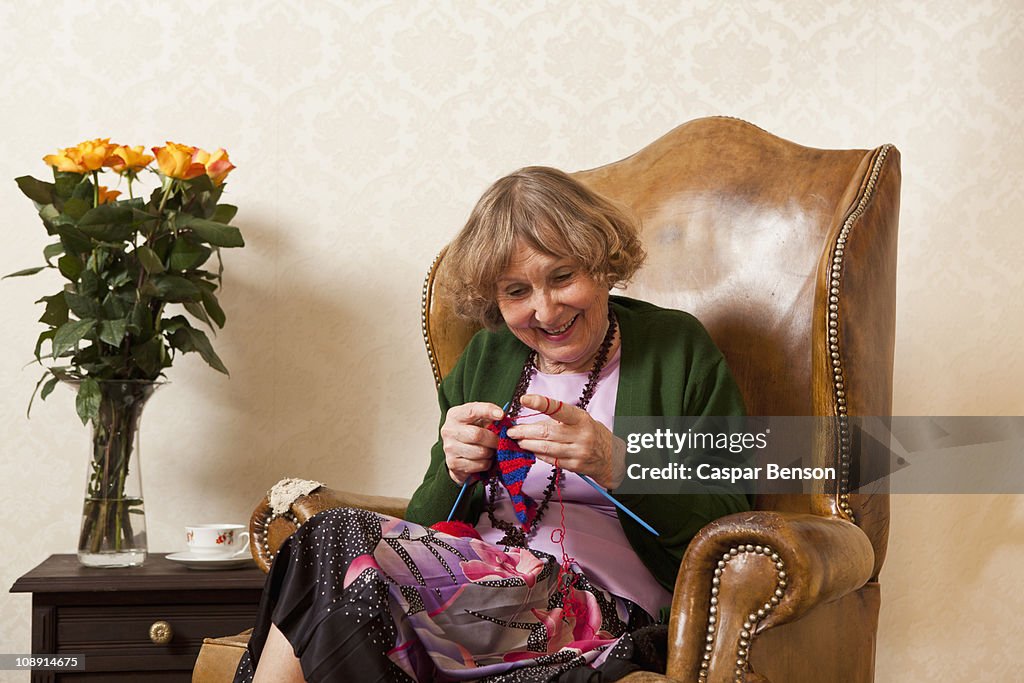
[{"x": 456, "y": 528}]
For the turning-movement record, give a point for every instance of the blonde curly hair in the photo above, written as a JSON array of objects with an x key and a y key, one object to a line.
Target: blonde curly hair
[{"x": 551, "y": 212}]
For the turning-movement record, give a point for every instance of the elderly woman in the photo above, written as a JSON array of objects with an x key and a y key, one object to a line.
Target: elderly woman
[{"x": 553, "y": 576}]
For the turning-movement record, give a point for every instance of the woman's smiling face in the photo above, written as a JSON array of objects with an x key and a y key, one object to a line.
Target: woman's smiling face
[{"x": 555, "y": 307}]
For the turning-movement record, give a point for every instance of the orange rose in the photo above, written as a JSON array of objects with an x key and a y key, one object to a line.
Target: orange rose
[
  {"x": 92, "y": 153},
  {"x": 66, "y": 161},
  {"x": 103, "y": 195},
  {"x": 127, "y": 160},
  {"x": 175, "y": 161},
  {"x": 217, "y": 164}
]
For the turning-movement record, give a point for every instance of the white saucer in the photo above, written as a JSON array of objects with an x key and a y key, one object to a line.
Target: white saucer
[{"x": 193, "y": 561}]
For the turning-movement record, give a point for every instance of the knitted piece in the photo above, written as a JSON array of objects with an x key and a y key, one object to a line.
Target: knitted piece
[
  {"x": 456, "y": 528},
  {"x": 513, "y": 465}
]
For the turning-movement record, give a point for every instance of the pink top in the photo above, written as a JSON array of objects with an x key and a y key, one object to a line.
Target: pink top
[{"x": 593, "y": 535}]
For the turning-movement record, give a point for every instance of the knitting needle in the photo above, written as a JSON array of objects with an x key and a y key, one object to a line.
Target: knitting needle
[
  {"x": 465, "y": 485},
  {"x": 617, "y": 504},
  {"x": 469, "y": 480}
]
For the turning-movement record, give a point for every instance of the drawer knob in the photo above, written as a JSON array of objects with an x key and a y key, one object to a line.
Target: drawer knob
[{"x": 161, "y": 632}]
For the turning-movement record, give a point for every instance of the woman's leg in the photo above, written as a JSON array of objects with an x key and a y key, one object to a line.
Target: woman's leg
[{"x": 278, "y": 664}]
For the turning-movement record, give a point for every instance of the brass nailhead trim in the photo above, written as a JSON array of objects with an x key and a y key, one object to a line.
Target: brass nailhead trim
[
  {"x": 747, "y": 634},
  {"x": 290, "y": 516},
  {"x": 423, "y": 320},
  {"x": 832, "y": 322}
]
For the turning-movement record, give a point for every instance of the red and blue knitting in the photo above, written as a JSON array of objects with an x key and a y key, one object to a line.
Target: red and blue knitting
[{"x": 513, "y": 465}]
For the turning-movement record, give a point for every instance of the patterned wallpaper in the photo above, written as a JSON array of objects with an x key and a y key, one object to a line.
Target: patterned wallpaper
[{"x": 363, "y": 132}]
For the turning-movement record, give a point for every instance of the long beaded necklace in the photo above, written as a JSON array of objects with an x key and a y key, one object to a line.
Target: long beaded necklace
[{"x": 516, "y": 536}]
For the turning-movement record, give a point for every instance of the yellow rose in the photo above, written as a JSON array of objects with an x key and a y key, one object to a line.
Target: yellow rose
[
  {"x": 175, "y": 161},
  {"x": 93, "y": 153},
  {"x": 66, "y": 161},
  {"x": 217, "y": 165},
  {"x": 125, "y": 160},
  {"x": 104, "y": 195}
]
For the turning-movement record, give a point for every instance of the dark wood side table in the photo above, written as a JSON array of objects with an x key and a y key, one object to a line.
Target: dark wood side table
[{"x": 108, "y": 614}]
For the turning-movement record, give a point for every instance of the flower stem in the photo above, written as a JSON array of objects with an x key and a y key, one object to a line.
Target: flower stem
[{"x": 168, "y": 191}]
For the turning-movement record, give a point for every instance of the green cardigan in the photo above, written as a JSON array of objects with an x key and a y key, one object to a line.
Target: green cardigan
[{"x": 668, "y": 367}]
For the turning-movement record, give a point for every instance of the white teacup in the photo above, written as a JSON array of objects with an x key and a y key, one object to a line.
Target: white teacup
[{"x": 217, "y": 540}]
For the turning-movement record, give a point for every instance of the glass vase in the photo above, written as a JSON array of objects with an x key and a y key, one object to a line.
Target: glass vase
[{"x": 113, "y": 532}]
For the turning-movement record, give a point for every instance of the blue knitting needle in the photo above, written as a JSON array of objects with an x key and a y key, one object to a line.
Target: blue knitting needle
[
  {"x": 469, "y": 480},
  {"x": 465, "y": 485},
  {"x": 617, "y": 504}
]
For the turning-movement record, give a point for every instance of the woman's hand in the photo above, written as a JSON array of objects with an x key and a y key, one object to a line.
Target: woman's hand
[
  {"x": 468, "y": 445},
  {"x": 580, "y": 443}
]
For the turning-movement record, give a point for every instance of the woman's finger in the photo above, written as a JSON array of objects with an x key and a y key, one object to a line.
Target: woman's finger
[
  {"x": 548, "y": 449},
  {"x": 542, "y": 431},
  {"x": 475, "y": 412},
  {"x": 470, "y": 452},
  {"x": 476, "y": 436},
  {"x": 555, "y": 409}
]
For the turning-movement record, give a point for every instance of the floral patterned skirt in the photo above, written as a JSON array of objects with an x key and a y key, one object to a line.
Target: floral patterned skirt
[{"x": 365, "y": 597}]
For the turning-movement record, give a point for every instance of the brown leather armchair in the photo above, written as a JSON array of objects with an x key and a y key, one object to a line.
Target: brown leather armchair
[{"x": 787, "y": 254}]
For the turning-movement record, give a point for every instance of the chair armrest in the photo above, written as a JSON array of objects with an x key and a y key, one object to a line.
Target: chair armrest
[
  {"x": 268, "y": 531},
  {"x": 745, "y": 573}
]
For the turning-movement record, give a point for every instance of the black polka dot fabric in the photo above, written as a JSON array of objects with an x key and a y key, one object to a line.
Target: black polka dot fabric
[{"x": 365, "y": 597}]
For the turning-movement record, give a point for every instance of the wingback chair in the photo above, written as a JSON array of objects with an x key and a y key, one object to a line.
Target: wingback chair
[{"x": 787, "y": 254}]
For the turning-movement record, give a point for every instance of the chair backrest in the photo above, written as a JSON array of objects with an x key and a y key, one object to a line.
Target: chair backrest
[{"x": 787, "y": 254}]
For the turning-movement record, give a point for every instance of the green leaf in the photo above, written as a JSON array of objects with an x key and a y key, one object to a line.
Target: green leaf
[
  {"x": 186, "y": 255},
  {"x": 216, "y": 234},
  {"x": 145, "y": 222},
  {"x": 149, "y": 356},
  {"x": 52, "y": 250},
  {"x": 48, "y": 387},
  {"x": 74, "y": 240},
  {"x": 97, "y": 261},
  {"x": 108, "y": 232},
  {"x": 114, "y": 212},
  {"x": 76, "y": 208},
  {"x": 112, "y": 331},
  {"x": 200, "y": 183},
  {"x": 87, "y": 403},
  {"x": 175, "y": 288},
  {"x": 117, "y": 305},
  {"x": 199, "y": 312},
  {"x": 224, "y": 213},
  {"x": 89, "y": 284},
  {"x": 174, "y": 323},
  {"x": 140, "y": 323},
  {"x": 212, "y": 306},
  {"x": 149, "y": 260},
  {"x": 66, "y": 185},
  {"x": 21, "y": 273},
  {"x": 49, "y": 214},
  {"x": 148, "y": 290},
  {"x": 69, "y": 334},
  {"x": 190, "y": 339},
  {"x": 36, "y": 190},
  {"x": 83, "y": 306},
  {"x": 70, "y": 266},
  {"x": 120, "y": 279},
  {"x": 56, "y": 310},
  {"x": 43, "y": 336}
]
